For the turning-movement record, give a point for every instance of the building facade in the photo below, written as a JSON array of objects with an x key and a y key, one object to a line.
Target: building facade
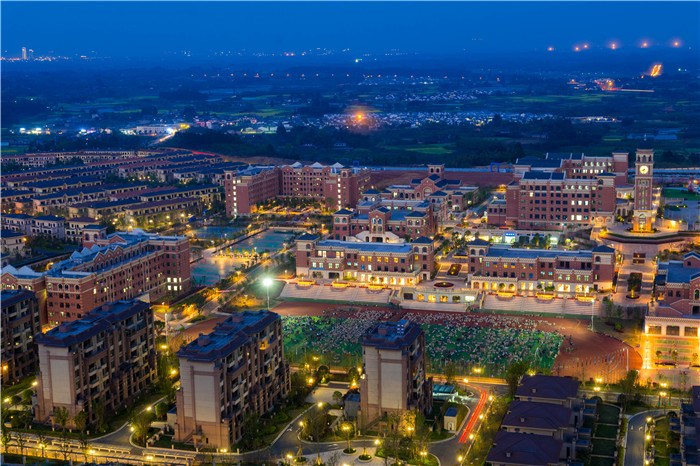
[
  {"x": 394, "y": 377},
  {"x": 529, "y": 270},
  {"x": 336, "y": 185},
  {"x": 236, "y": 370},
  {"x": 396, "y": 264},
  {"x": 120, "y": 266},
  {"x": 108, "y": 355},
  {"x": 644, "y": 212},
  {"x": 383, "y": 220},
  {"x": 20, "y": 325}
]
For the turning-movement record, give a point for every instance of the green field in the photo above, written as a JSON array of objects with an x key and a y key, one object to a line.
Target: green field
[
  {"x": 678, "y": 193},
  {"x": 337, "y": 342}
]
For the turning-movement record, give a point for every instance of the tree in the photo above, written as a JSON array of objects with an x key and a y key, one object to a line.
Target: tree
[
  {"x": 337, "y": 397},
  {"x": 141, "y": 424},
  {"x": 80, "y": 420},
  {"x": 161, "y": 410},
  {"x": 21, "y": 441},
  {"x": 628, "y": 387},
  {"x": 61, "y": 416},
  {"x": 450, "y": 372},
  {"x": 98, "y": 409},
  {"x": 514, "y": 374},
  {"x": 658, "y": 356}
]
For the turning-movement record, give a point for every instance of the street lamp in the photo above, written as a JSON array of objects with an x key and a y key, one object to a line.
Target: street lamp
[
  {"x": 460, "y": 459},
  {"x": 267, "y": 282},
  {"x": 301, "y": 431},
  {"x": 346, "y": 428}
]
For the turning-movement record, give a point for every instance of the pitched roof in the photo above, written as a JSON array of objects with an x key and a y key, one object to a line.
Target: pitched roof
[
  {"x": 548, "y": 387},
  {"x": 344, "y": 212},
  {"x": 307, "y": 237},
  {"x": 534, "y": 415},
  {"x": 524, "y": 449},
  {"x": 422, "y": 240}
]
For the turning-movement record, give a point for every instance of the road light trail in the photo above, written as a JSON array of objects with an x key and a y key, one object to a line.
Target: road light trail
[{"x": 475, "y": 415}]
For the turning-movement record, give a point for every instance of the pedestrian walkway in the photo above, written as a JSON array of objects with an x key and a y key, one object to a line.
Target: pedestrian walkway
[
  {"x": 533, "y": 304},
  {"x": 355, "y": 294}
]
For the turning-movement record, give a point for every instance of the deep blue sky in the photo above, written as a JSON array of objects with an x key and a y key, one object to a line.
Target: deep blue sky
[{"x": 138, "y": 29}]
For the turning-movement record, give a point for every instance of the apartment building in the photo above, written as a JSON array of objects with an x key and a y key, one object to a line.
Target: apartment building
[
  {"x": 576, "y": 166},
  {"x": 529, "y": 270},
  {"x": 167, "y": 211},
  {"x": 337, "y": 184},
  {"x": 20, "y": 324},
  {"x": 109, "y": 354},
  {"x": 13, "y": 243},
  {"x": 541, "y": 426},
  {"x": 75, "y": 227},
  {"x": 120, "y": 266},
  {"x": 246, "y": 188},
  {"x": 236, "y": 370},
  {"x": 395, "y": 264},
  {"x": 46, "y": 225},
  {"x": 385, "y": 220},
  {"x": 394, "y": 377}
]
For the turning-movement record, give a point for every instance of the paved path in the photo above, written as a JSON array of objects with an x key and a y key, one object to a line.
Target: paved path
[{"x": 634, "y": 453}]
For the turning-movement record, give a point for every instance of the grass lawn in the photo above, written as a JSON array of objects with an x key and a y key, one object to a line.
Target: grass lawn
[
  {"x": 603, "y": 447},
  {"x": 17, "y": 388},
  {"x": 600, "y": 461},
  {"x": 681, "y": 193},
  {"x": 608, "y": 414},
  {"x": 606, "y": 431},
  {"x": 661, "y": 448},
  {"x": 659, "y": 461}
]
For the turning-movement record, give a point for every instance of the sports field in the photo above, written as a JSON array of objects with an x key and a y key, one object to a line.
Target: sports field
[{"x": 485, "y": 350}]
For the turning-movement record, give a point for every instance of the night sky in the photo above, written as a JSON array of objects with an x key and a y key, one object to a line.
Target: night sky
[{"x": 151, "y": 29}]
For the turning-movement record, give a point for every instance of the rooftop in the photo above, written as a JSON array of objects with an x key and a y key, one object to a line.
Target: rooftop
[
  {"x": 396, "y": 248},
  {"x": 548, "y": 387},
  {"x": 524, "y": 449},
  {"x": 227, "y": 336},
  {"x": 529, "y": 414},
  {"x": 96, "y": 321},
  {"x": 392, "y": 335},
  {"x": 10, "y": 297}
]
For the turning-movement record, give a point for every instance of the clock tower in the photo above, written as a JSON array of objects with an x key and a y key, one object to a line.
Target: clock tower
[{"x": 644, "y": 212}]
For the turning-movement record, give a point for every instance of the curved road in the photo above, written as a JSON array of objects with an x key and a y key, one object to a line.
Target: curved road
[{"x": 634, "y": 453}]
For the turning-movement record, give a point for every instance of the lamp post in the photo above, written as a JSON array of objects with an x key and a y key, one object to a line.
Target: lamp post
[
  {"x": 301, "y": 431},
  {"x": 267, "y": 282},
  {"x": 460, "y": 459},
  {"x": 346, "y": 428}
]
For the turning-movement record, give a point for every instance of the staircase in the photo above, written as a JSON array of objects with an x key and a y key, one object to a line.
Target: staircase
[{"x": 328, "y": 293}]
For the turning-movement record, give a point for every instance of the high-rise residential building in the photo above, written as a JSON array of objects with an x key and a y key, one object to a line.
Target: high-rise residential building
[
  {"x": 24, "y": 53},
  {"x": 235, "y": 370},
  {"x": 123, "y": 265},
  {"x": 394, "y": 377},
  {"x": 20, "y": 324},
  {"x": 109, "y": 354}
]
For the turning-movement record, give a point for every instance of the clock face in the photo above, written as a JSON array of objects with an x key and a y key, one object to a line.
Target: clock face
[{"x": 643, "y": 169}]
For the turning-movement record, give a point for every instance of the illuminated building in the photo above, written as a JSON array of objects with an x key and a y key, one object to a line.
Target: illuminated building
[
  {"x": 20, "y": 324},
  {"x": 24, "y": 53},
  {"x": 385, "y": 220},
  {"x": 108, "y": 268},
  {"x": 109, "y": 354},
  {"x": 234, "y": 371},
  {"x": 394, "y": 374},
  {"x": 337, "y": 185},
  {"x": 531, "y": 270},
  {"x": 390, "y": 264},
  {"x": 644, "y": 212}
]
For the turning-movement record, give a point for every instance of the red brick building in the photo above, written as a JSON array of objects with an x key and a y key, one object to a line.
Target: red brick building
[
  {"x": 120, "y": 266},
  {"x": 385, "y": 221},
  {"x": 388, "y": 264},
  {"x": 550, "y": 201},
  {"x": 530, "y": 270},
  {"x": 335, "y": 183}
]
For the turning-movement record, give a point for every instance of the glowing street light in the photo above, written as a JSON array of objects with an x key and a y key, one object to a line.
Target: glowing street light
[{"x": 267, "y": 283}]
